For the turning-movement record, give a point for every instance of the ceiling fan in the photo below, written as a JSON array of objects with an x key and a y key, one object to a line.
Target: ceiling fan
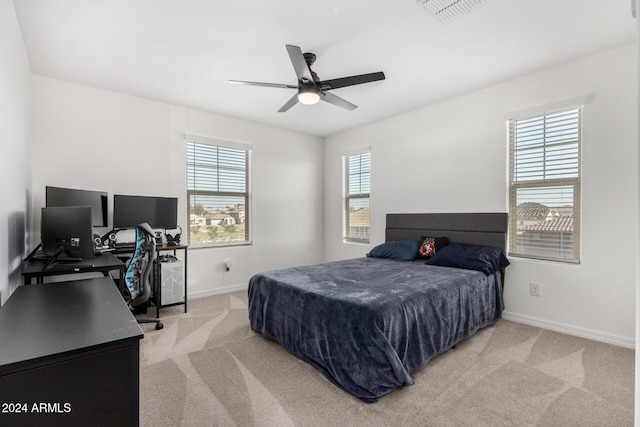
[{"x": 310, "y": 88}]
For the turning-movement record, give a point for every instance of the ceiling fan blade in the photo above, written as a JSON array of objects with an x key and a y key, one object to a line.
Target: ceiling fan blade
[
  {"x": 299, "y": 63},
  {"x": 290, "y": 103},
  {"x": 351, "y": 81},
  {"x": 243, "y": 82},
  {"x": 336, "y": 100}
]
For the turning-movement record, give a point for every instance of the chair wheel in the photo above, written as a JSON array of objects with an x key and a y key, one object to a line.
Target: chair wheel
[{"x": 159, "y": 325}]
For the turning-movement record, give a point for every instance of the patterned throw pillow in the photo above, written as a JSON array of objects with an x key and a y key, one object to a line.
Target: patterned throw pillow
[{"x": 430, "y": 245}]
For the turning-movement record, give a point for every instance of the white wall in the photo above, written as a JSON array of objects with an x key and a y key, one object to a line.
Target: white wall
[
  {"x": 15, "y": 162},
  {"x": 101, "y": 140},
  {"x": 452, "y": 157}
]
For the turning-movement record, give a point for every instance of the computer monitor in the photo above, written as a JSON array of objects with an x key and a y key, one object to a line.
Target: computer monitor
[
  {"x": 96, "y": 200},
  {"x": 66, "y": 233},
  {"x": 158, "y": 212}
]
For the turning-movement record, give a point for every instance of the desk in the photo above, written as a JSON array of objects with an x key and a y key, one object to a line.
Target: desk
[
  {"x": 74, "y": 347},
  {"x": 101, "y": 263}
]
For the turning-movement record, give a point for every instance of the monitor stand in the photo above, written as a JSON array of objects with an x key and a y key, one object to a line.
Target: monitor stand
[
  {"x": 61, "y": 256},
  {"x": 33, "y": 253}
]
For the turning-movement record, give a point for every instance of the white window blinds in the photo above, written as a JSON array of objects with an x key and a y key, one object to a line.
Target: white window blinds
[
  {"x": 357, "y": 183},
  {"x": 217, "y": 194},
  {"x": 544, "y": 185}
]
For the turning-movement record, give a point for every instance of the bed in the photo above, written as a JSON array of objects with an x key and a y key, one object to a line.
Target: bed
[{"x": 368, "y": 323}]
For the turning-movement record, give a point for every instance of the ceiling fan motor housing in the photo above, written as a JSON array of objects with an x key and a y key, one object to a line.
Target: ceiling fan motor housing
[{"x": 310, "y": 58}]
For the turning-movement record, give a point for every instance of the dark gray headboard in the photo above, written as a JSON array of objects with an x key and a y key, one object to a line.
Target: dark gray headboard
[{"x": 475, "y": 228}]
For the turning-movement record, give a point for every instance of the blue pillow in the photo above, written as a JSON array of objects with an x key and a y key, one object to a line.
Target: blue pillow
[
  {"x": 402, "y": 250},
  {"x": 487, "y": 259}
]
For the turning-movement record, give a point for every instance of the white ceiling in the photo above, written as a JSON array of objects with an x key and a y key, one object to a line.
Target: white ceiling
[{"x": 185, "y": 51}]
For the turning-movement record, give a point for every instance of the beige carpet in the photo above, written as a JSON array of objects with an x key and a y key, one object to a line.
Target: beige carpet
[{"x": 207, "y": 368}]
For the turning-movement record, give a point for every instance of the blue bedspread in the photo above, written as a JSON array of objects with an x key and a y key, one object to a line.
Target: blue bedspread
[{"x": 368, "y": 323}]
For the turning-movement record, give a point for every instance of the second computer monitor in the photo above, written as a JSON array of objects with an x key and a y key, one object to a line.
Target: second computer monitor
[
  {"x": 158, "y": 212},
  {"x": 97, "y": 200}
]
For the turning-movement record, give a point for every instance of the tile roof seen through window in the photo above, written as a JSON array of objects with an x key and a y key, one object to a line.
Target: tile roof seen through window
[{"x": 557, "y": 224}]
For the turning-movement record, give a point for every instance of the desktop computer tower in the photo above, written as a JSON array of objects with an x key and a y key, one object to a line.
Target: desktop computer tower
[{"x": 171, "y": 281}]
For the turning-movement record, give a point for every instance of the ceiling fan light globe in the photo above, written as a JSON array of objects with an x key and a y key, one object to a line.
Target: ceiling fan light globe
[{"x": 308, "y": 97}]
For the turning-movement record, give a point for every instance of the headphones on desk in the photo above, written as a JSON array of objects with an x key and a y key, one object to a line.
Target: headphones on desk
[{"x": 175, "y": 239}]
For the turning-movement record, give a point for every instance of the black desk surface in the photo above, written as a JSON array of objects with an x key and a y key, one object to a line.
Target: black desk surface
[
  {"x": 39, "y": 321},
  {"x": 100, "y": 262}
]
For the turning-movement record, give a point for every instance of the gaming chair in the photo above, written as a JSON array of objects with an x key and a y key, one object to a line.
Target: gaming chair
[{"x": 139, "y": 271}]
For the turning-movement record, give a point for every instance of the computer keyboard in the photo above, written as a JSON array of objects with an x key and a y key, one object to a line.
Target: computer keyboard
[
  {"x": 125, "y": 245},
  {"x": 100, "y": 251}
]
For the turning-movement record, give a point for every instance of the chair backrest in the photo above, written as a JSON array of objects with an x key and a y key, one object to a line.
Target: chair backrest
[{"x": 138, "y": 274}]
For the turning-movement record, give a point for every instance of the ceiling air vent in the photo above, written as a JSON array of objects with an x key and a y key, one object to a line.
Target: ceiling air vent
[{"x": 448, "y": 10}]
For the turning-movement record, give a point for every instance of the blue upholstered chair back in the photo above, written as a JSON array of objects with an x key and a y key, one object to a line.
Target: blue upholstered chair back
[{"x": 140, "y": 267}]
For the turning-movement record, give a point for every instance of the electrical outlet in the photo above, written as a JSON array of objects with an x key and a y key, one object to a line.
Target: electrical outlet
[{"x": 534, "y": 289}]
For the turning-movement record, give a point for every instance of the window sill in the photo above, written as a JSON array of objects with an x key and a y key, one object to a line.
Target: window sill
[
  {"x": 220, "y": 245},
  {"x": 538, "y": 258}
]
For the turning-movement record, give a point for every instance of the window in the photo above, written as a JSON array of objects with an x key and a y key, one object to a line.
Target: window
[
  {"x": 544, "y": 185},
  {"x": 217, "y": 192},
  {"x": 357, "y": 183}
]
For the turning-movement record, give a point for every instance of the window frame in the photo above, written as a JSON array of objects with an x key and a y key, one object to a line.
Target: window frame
[
  {"x": 246, "y": 195},
  {"x": 572, "y": 182},
  {"x": 347, "y": 196}
]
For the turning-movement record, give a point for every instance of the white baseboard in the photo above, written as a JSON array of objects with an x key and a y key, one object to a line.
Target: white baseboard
[
  {"x": 571, "y": 330},
  {"x": 217, "y": 291}
]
